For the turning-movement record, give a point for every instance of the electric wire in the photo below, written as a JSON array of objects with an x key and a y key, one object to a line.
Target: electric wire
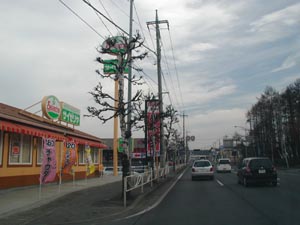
[
  {"x": 101, "y": 3},
  {"x": 76, "y": 14},
  {"x": 123, "y": 11},
  {"x": 139, "y": 23},
  {"x": 102, "y": 22},
  {"x": 176, "y": 71},
  {"x": 168, "y": 69},
  {"x": 112, "y": 22}
]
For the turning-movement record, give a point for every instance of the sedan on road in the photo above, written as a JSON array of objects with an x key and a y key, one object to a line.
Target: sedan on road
[
  {"x": 257, "y": 170},
  {"x": 202, "y": 169},
  {"x": 223, "y": 165}
]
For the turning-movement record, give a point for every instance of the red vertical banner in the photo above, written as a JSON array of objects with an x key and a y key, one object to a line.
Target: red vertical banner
[
  {"x": 153, "y": 128},
  {"x": 48, "y": 168},
  {"x": 69, "y": 157}
]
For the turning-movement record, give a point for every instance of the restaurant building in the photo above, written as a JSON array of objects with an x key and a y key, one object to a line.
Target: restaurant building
[{"x": 21, "y": 144}]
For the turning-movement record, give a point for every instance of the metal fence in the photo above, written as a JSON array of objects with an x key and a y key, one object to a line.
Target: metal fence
[{"x": 139, "y": 180}]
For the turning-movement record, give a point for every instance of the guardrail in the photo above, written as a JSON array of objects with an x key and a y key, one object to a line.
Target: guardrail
[{"x": 137, "y": 180}]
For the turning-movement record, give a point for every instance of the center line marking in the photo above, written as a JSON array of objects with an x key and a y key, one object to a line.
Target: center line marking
[{"x": 221, "y": 184}]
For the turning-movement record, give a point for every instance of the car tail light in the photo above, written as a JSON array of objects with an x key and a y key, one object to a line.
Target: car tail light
[
  {"x": 248, "y": 170},
  {"x": 211, "y": 168},
  {"x": 193, "y": 170}
]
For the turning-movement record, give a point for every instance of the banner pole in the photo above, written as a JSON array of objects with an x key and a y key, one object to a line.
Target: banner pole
[
  {"x": 60, "y": 174},
  {"x": 40, "y": 191}
]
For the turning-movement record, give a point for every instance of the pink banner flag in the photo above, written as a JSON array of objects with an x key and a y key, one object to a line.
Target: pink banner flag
[{"x": 48, "y": 168}]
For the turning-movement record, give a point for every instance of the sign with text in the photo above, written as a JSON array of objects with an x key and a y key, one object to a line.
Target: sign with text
[
  {"x": 115, "y": 45},
  {"x": 48, "y": 168},
  {"x": 110, "y": 67},
  {"x": 51, "y": 107},
  {"x": 153, "y": 128},
  {"x": 70, "y": 114},
  {"x": 54, "y": 109}
]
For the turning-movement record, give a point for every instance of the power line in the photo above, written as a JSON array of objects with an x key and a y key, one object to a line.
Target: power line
[
  {"x": 120, "y": 8},
  {"x": 86, "y": 23},
  {"x": 102, "y": 21},
  {"x": 106, "y": 13},
  {"x": 167, "y": 65},
  {"x": 139, "y": 23},
  {"x": 179, "y": 86},
  {"x": 112, "y": 22}
]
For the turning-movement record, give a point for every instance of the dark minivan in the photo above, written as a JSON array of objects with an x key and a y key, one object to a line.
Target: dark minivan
[{"x": 257, "y": 170}]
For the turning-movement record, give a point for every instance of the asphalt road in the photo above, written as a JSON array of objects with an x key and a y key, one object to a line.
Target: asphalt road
[{"x": 224, "y": 202}]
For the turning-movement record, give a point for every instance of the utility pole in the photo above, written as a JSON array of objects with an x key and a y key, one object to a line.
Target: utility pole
[
  {"x": 129, "y": 86},
  {"x": 158, "y": 52},
  {"x": 184, "y": 138}
]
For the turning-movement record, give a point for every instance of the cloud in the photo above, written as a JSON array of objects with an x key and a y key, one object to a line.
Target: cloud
[
  {"x": 288, "y": 16},
  {"x": 275, "y": 25},
  {"x": 288, "y": 63},
  {"x": 201, "y": 91}
]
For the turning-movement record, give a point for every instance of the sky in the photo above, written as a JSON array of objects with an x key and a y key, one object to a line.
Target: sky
[{"x": 218, "y": 56}]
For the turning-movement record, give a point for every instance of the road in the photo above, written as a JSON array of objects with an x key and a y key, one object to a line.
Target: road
[{"x": 224, "y": 202}]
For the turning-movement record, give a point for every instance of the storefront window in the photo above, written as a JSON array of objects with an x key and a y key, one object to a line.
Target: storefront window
[
  {"x": 1, "y": 146},
  {"x": 20, "y": 151},
  {"x": 39, "y": 148},
  {"x": 81, "y": 154},
  {"x": 95, "y": 155}
]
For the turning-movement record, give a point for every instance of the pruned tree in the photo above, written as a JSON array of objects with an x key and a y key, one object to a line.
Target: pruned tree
[{"x": 109, "y": 106}]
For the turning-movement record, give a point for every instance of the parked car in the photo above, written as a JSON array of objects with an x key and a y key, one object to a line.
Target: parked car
[
  {"x": 202, "y": 169},
  {"x": 224, "y": 165},
  {"x": 257, "y": 170},
  {"x": 110, "y": 170}
]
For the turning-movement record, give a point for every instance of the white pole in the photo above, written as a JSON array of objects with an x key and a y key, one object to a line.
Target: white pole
[
  {"x": 60, "y": 174},
  {"x": 40, "y": 191},
  {"x": 124, "y": 191}
]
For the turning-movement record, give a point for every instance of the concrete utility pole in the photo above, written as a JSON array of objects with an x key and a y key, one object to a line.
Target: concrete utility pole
[
  {"x": 130, "y": 85},
  {"x": 184, "y": 138},
  {"x": 158, "y": 52}
]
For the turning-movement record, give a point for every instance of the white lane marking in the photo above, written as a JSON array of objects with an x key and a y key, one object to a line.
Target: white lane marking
[
  {"x": 219, "y": 182},
  {"x": 158, "y": 201}
]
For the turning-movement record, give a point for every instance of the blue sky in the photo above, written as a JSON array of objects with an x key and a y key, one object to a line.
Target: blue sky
[{"x": 225, "y": 51}]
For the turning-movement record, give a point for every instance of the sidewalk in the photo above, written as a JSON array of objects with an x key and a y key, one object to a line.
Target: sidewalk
[
  {"x": 20, "y": 199},
  {"x": 97, "y": 202}
]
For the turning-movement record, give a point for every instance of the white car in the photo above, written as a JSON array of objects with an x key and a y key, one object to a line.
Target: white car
[
  {"x": 224, "y": 165},
  {"x": 110, "y": 171},
  {"x": 202, "y": 169}
]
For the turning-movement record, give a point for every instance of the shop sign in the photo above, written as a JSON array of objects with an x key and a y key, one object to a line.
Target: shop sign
[
  {"x": 70, "y": 114},
  {"x": 115, "y": 45},
  {"x": 121, "y": 145},
  {"x": 15, "y": 151},
  {"x": 153, "y": 128},
  {"x": 138, "y": 155},
  {"x": 51, "y": 107},
  {"x": 110, "y": 67}
]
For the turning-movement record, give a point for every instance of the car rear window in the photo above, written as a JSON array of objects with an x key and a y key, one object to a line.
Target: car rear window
[
  {"x": 257, "y": 163},
  {"x": 224, "y": 162},
  {"x": 201, "y": 164}
]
